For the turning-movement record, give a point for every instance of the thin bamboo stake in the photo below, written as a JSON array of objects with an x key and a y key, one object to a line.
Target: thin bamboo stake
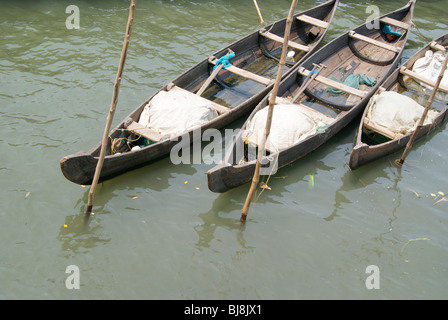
[
  {"x": 272, "y": 97},
  {"x": 113, "y": 106},
  {"x": 259, "y": 12},
  {"x": 425, "y": 112}
]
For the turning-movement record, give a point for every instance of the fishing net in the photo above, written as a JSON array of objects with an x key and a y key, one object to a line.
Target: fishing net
[
  {"x": 174, "y": 112},
  {"x": 396, "y": 112},
  {"x": 290, "y": 124}
]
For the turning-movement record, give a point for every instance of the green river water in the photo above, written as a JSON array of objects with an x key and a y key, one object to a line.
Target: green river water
[{"x": 158, "y": 232}]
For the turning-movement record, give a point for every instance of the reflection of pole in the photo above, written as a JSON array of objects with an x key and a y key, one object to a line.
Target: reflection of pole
[
  {"x": 425, "y": 112},
  {"x": 113, "y": 106},
  {"x": 272, "y": 97}
]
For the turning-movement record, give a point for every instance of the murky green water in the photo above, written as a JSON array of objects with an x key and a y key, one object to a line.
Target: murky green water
[{"x": 157, "y": 232}]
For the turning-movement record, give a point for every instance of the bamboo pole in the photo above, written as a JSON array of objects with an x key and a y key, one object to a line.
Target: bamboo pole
[
  {"x": 425, "y": 112},
  {"x": 259, "y": 12},
  {"x": 212, "y": 76},
  {"x": 272, "y": 97},
  {"x": 113, "y": 106}
]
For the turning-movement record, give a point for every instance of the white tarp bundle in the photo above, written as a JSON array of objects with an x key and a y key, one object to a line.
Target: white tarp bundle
[
  {"x": 289, "y": 125},
  {"x": 175, "y": 111},
  {"x": 397, "y": 112},
  {"x": 430, "y": 67}
]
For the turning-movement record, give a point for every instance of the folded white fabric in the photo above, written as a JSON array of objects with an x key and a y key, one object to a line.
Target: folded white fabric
[
  {"x": 397, "y": 112},
  {"x": 290, "y": 124},
  {"x": 174, "y": 112},
  {"x": 430, "y": 67}
]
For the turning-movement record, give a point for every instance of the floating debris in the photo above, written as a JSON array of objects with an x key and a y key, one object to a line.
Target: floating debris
[
  {"x": 281, "y": 177},
  {"x": 264, "y": 186},
  {"x": 311, "y": 181},
  {"x": 411, "y": 240},
  {"x": 415, "y": 192},
  {"x": 438, "y": 202}
]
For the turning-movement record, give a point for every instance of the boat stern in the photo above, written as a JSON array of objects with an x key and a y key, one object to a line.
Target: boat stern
[
  {"x": 216, "y": 178},
  {"x": 356, "y": 157},
  {"x": 76, "y": 167}
]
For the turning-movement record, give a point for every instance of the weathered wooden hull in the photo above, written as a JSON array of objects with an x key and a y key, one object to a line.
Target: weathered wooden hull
[
  {"x": 80, "y": 167},
  {"x": 230, "y": 173},
  {"x": 363, "y": 152}
]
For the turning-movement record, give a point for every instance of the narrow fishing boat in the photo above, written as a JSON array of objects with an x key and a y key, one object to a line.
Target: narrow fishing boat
[
  {"x": 326, "y": 92},
  {"x": 218, "y": 90},
  {"x": 393, "y": 113}
]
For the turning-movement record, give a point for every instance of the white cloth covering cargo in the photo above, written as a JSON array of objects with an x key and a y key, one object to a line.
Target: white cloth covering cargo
[
  {"x": 430, "y": 67},
  {"x": 396, "y": 112},
  {"x": 174, "y": 112},
  {"x": 290, "y": 124}
]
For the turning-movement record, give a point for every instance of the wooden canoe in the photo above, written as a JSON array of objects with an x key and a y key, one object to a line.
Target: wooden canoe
[
  {"x": 363, "y": 50},
  {"x": 234, "y": 92},
  {"x": 373, "y": 141}
]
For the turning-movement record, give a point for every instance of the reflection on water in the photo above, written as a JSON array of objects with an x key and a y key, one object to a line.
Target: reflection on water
[
  {"x": 214, "y": 218},
  {"x": 78, "y": 235},
  {"x": 157, "y": 231}
]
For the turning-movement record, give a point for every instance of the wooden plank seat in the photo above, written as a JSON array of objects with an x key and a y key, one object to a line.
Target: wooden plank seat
[
  {"x": 291, "y": 44},
  {"x": 245, "y": 73},
  {"x": 396, "y": 23},
  {"x": 313, "y": 21},
  {"x": 142, "y": 130},
  {"x": 381, "y": 130},
  {"x": 334, "y": 84},
  {"x": 405, "y": 71},
  {"x": 437, "y": 47},
  {"x": 377, "y": 43}
]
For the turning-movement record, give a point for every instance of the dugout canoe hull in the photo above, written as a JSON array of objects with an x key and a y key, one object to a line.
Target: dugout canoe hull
[
  {"x": 337, "y": 55},
  {"x": 363, "y": 152},
  {"x": 80, "y": 167}
]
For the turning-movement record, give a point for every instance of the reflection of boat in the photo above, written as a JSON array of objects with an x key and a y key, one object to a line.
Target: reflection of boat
[
  {"x": 374, "y": 141},
  {"x": 227, "y": 94},
  {"x": 317, "y": 97}
]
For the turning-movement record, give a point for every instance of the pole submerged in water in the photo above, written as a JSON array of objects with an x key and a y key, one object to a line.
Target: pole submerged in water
[
  {"x": 113, "y": 106},
  {"x": 274, "y": 91}
]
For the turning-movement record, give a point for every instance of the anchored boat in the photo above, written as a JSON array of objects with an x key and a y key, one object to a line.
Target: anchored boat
[
  {"x": 327, "y": 91},
  {"x": 404, "y": 93},
  {"x": 212, "y": 94}
]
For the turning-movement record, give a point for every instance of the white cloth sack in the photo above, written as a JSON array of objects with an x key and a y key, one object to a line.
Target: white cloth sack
[
  {"x": 290, "y": 124},
  {"x": 174, "y": 112},
  {"x": 397, "y": 112},
  {"x": 430, "y": 67}
]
